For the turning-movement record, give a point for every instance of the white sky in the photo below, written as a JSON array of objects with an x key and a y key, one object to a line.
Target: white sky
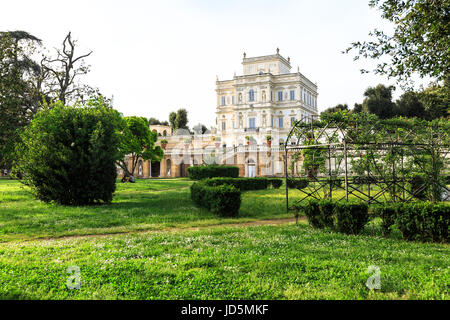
[{"x": 157, "y": 56}]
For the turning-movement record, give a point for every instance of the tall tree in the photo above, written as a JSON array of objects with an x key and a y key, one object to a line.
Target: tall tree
[
  {"x": 436, "y": 101},
  {"x": 379, "y": 101},
  {"x": 138, "y": 142},
  {"x": 409, "y": 105},
  {"x": 172, "y": 120},
  {"x": 419, "y": 43},
  {"x": 182, "y": 119},
  {"x": 18, "y": 95},
  {"x": 64, "y": 71}
]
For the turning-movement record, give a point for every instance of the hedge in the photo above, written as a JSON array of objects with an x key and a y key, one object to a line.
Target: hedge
[
  {"x": 224, "y": 200},
  {"x": 297, "y": 183},
  {"x": 423, "y": 221},
  {"x": 387, "y": 214},
  {"x": 345, "y": 217},
  {"x": 246, "y": 184},
  {"x": 211, "y": 171}
]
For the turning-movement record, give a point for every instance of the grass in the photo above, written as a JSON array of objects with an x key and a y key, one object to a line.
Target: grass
[
  {"x": 227, "y": 262},
  {"x": 146, "y": 205},
  {"x": 264, "y": 262}
]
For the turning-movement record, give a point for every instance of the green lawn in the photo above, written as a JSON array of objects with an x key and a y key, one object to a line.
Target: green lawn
[
  {"x": 227, "y": 262},
  {"x": 264, "y": 262},
  {"x": 146, "y": 205}
]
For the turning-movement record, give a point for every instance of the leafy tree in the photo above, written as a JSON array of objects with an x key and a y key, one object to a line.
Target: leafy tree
[
  {"x": 19, "y": 92},
  {"x": 379, "y": 101},
  {"x": 337, "y": 108},
  {"x": 357, "y": 108},
  {"x": 137, "y": 142},
  {"x": 182, "y": 119},
  {"x": 409, "y": 105},
  {"x": 67, "y": 154},
  {"x": 419, "y": 43},
  {"x": 153, "y": 121},
  {"x": 436, "y": 101},
  {"x": 172, "y": 120}
]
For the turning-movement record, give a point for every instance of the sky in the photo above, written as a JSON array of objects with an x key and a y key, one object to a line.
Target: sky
[{"x": 154, "y": 57}]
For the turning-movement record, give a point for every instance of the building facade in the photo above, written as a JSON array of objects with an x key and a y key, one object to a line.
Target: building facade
[
  {"x": 268, "y": 97},
  {"x": 254, "y": 114}
]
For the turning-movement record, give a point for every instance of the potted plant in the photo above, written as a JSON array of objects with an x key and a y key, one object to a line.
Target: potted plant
[
  {"x": 269, "y": 140},
  {"x": 164, "y": 144},
  {"x": 248, "y": 139}
]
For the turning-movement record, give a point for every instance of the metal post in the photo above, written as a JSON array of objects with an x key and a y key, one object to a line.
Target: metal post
[
  {"x": 286, "y": 178},
  {"x": 346, "y": 170},
  {"x": 329, "y": 172}
]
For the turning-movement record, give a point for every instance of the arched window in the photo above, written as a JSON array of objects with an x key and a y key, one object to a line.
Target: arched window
[{"x": 251, "y": 95}]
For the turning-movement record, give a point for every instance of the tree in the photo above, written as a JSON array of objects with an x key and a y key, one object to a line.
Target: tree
[
  {"x": 153, "y": 121},
  {"x": 379, "y": 101},
  {"x": 172, "y": 120},
  {"x": 19, "y": 94},
  {"x": 357, "y": 108},
  {"x": 200, "y": 129},
  {"x": 419, "y": 43},
  {"x": 436, "y": 101},
  {"x": 337, "y": 108},
  {"x": 181, "y": 120},
  {"x": 137, "y": 143},
  {"x": 409, "y": 105},
  {"x": 68, "y": 154},
  {"x": 63, "y": 72}
]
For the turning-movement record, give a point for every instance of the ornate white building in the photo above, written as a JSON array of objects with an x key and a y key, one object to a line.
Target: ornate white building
[
  {"x": 264, "y": 101},
  {"x": 268, "y": 97}
]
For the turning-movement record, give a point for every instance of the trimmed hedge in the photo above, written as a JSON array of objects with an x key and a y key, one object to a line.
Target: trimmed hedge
[
  {"x": 224, "y": 200},
  {"x": 423, "y": 221},
  {"x": 246, "y": 184},
  {"x": 319, "y": 213},
  {"x": 387, "y": 214},
  {"x": 211, "y": 171},
  {"x": 297, "y": 183},
  {"x": 351, "y": 217},
  {"x": 345, "y": 217}
]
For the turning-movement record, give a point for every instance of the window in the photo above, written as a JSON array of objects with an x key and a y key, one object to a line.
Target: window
[
  {"x": 234, "y": 126},
  {"x": 251, "y": 123},
  {"x": 292, "y": 95},
  {"x": 224, "y": 126},
  {"x": 280, "y": 122},
  {"x": 251, "y": 95},
  {"x": 232, "y": 99},
  {"x": 271, "y": 121},
  {"x": 223, "y": 101},
  {"x": 292, "y": 121},
  {"x": 271, "y": 96},
  {"x": 280, "y": 95}
]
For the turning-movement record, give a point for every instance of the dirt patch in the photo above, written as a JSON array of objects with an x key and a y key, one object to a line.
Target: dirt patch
[{"x": 177, "y": 229}]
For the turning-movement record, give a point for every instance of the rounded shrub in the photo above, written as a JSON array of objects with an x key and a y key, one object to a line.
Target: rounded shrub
[
  {"x": 67, "y": 154},
  {"x": 224, "y": 200}
]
